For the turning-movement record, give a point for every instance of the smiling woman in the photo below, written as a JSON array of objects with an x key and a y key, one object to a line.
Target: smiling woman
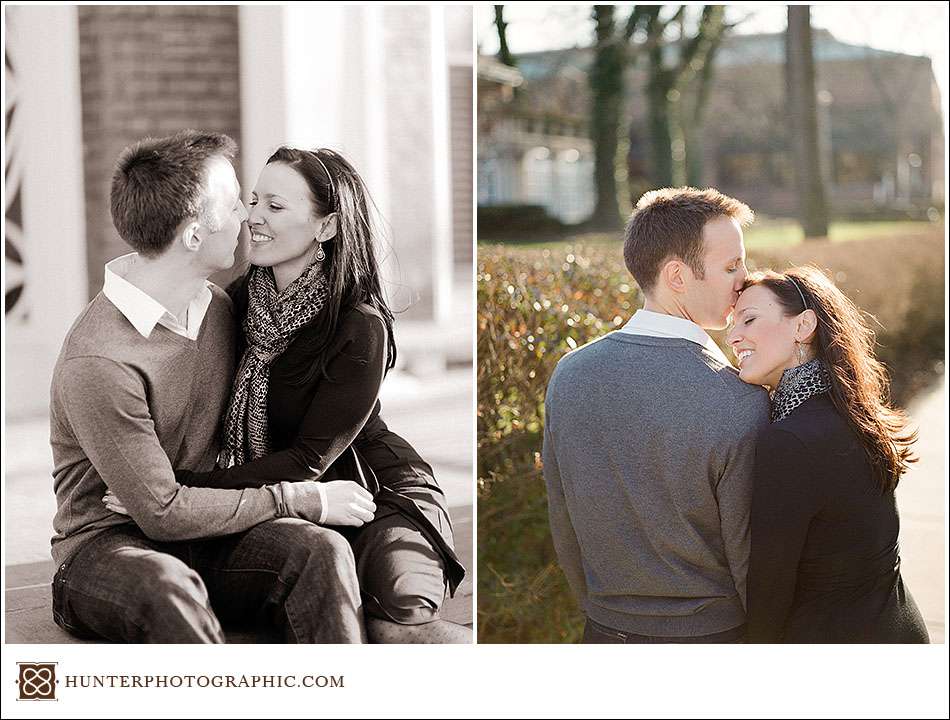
[
  {"x": 824, "y": 564},
  {"x": 287, "y": 231},
  {"x": 765, "y": 340},
  {"x": 317, "y": 343}
]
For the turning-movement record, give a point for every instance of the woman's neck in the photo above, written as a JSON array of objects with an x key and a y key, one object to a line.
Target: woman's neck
[{"x": 286, "y": 272}]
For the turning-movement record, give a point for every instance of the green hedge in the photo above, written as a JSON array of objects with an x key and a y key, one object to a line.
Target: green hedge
[{"x": 536, "y": 304}]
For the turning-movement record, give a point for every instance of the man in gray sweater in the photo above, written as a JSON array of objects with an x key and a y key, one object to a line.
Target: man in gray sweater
[
  {"x": 649, "y": 439},
  {"x": 137, "y": 393}
]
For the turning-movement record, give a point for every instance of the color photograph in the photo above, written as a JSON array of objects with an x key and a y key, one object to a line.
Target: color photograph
[{"x": 711, "y": 323}]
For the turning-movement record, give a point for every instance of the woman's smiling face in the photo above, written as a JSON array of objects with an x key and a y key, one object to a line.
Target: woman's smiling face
[
  {"x": 281, "y": 219},
  {"x": 763, "y": 338}
]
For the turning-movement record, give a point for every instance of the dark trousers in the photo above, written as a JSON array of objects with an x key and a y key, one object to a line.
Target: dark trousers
[
  {"x": 292, "y": 575},
  {"x": 402, "y": 573},
  {"x": 402, "y": 577},
  {"x": 597, "y": 634}
]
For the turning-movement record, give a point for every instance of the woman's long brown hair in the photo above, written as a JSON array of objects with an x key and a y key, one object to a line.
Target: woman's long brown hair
[
  {"x": 351, "y": 267},
  {"x": 844, "y": 342}
]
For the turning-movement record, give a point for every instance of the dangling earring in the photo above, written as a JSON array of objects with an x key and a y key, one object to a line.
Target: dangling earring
[
  {"x": 319, "y": 255},
  {"x": 801, "y": 353}
]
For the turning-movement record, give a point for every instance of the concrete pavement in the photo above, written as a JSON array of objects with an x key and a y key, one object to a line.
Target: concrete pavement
[{"x": 921, "y": 500}]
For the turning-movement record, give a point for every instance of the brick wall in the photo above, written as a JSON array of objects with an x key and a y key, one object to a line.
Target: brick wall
[{"x": 149, "y": 70}]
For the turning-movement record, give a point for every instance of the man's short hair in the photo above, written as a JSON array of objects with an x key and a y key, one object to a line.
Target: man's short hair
[
  {"x": 669, "y": 223},
  {"x": 161, "y": 182}
]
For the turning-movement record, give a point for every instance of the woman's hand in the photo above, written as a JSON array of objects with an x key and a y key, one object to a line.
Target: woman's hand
[
  {"x": 348, "y": 503},
  {"x": 112, "y": 503}
]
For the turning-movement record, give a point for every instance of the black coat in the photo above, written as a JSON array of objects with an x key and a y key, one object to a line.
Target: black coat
[
  {"x": 329, "y": 428},
  {"x": 825, "y": 563}
]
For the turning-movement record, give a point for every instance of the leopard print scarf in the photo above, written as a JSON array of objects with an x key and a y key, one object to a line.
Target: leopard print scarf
[
  {"x": 797, "y": 385},
  {"x": 272, "y": 321}
]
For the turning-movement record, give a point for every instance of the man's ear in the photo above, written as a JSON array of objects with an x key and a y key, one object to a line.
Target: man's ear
[
  {"x": 807, "y": 324},
  {"x": 325, "y": 228},
  {"x": 189, "y": 236},
  {"x": 673, "y": 275}
]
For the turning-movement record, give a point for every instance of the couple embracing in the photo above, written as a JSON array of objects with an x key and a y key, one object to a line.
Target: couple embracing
[
  {"x": 693, "y": 502},
  {"x": 219, "y": 457}
]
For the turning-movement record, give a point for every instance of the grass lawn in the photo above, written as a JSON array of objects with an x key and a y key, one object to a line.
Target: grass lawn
[{"x": 764, "y": 234}]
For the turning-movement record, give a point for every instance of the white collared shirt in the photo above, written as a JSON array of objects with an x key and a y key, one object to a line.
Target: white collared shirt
[
  {"x": 144, "y": 311},
  {"x": 654, "y": 324}
]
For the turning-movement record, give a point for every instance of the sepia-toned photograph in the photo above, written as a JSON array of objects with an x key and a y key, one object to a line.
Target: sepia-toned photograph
[
  {"x": 711, "y": 323},
  {"x": 238, "y": 324}
]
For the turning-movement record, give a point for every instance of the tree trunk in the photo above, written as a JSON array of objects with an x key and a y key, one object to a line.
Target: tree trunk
[
  {"x": 606, "y": 84},
  {"x": 678, "y": 129},
  {"x": 638, "y": 176},
  {"x": 671, "y": 126},
  {"x": 803, "y": 111},
  {"x": 695, "y": 150},
  {"x": 504, "y": 54},
  {"x": 658, "y": 121}
]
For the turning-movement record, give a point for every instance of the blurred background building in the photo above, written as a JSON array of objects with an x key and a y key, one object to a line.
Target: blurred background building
[
  {"x": 391, "y": 87},
  {"x": 880, "y": 125},
  {"x": 535, "y": 150},
  {"x": 388, "y": 86}
]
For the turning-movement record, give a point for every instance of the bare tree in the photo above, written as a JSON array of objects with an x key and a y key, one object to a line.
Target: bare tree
[
  {"x": 504, "y": 53},
  {"x": 803, "y": 112},
  {"x": 672, "y": 66},
  {"x": 673, "y": 125},
  {"x": 613, "y": 54},
  {"x": 606, "y": 84},
  {"x": 694, "y": 117}
]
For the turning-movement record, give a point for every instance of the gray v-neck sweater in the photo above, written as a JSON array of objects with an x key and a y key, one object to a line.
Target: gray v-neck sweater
[
  {"x": 648, "y": 451},
  {"x": 125, "y": 410}
]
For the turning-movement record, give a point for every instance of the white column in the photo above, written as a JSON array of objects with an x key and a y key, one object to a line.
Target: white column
[
  {"x": 441, "y": 171},
  {"x": 263, "y": 88},
  {"x": 372, "y": 88},
  {"x": 372, "y": 82},
  {"x": 47, "y": 137},
  {"x": 314, "y": 73}
]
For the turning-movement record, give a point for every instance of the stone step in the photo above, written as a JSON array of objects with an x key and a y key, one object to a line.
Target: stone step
[{"x": 28, "y": 612}]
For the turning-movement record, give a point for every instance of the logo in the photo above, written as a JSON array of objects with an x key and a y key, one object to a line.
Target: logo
[{"x": 37, "y": 681}]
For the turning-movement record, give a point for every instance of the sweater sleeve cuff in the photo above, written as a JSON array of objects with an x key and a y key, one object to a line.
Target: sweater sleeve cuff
[
  {"x": 323, "y": 503},
  {"x": 280, "y": 508}
]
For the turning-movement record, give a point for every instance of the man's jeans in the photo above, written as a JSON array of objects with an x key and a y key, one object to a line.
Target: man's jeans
[
  {"x": 290, "y": 574},
  {"x": 597, "y": 634}
]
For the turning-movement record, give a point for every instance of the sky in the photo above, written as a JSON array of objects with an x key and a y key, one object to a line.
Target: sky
[{"x": 909, "y": 27}]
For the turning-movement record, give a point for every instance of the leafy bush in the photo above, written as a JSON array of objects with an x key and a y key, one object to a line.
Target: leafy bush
[{"x": 534, "y": 305}]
